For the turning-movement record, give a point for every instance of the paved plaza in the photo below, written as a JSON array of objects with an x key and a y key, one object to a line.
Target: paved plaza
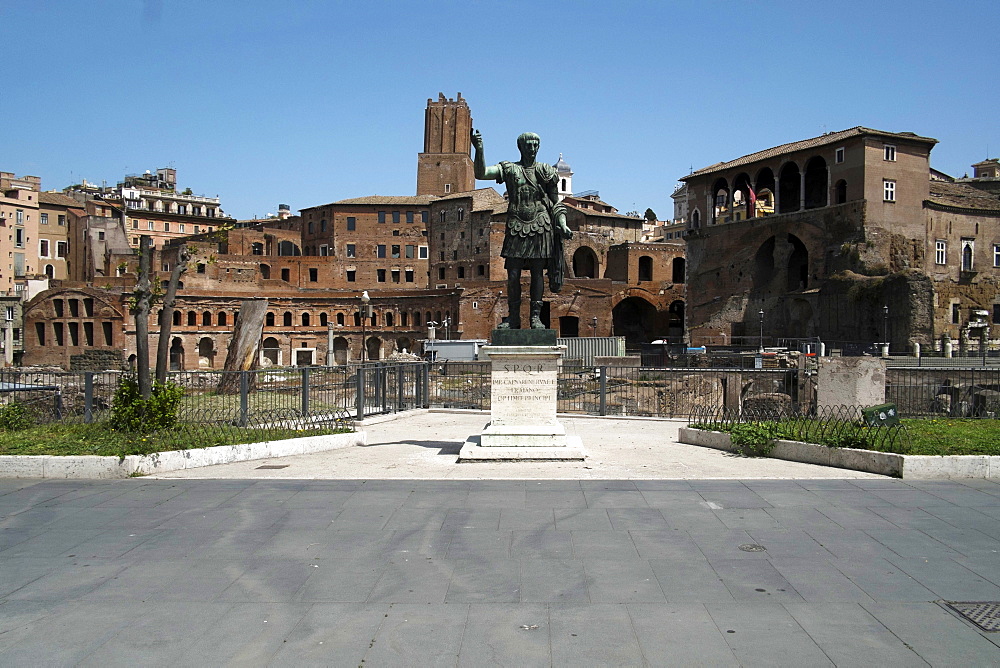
[{"x": 773, "y": 568}]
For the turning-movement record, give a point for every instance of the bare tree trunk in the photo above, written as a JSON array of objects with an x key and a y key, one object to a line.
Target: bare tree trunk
[
  {"x": 143, "y": 298},
  {"x": 244, "y": 344},
  {"x": 167, "y": 314}
]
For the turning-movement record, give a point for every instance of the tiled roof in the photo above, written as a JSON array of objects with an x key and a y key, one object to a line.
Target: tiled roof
[
  {"x": 602, "y": 214},
  {"x": 961, "y": 196},
  {"x": 390, "y": 200},
  {"x": 58, "y": 199},
  {"x": 822, "y": 140},
  {"x": 482, "y": 198}
]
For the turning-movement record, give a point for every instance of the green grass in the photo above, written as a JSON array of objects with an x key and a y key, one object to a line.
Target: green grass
[
  {"x": 947, "y": 436},
  {"x": 99, "y": 439},
  {"x": 940, "y": 436}
]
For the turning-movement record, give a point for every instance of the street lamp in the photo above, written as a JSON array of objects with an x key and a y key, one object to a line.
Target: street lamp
[
  {"x": 761, "y": 342},
  {"x": 365, "y": 300},
  {"x": 885, "y": 331},
  {"x": 447, "y": 329},
  {"x": 593, "y": 324}
]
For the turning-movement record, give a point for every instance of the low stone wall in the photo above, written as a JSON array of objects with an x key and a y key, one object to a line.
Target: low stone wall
[
  {"x": 50, "y": 466},
  {"x": 870, "y": 461}
]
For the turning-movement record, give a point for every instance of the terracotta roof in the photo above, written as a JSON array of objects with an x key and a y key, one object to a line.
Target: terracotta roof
[
  {"x": 961, "y": 196},
  {"x": 602, "y": 214},
  {"x": 482, "y": 198},
  {"x": 822, "y": 140},
  {"x": 389, "y": 200},
  {"x": 58, "y": 199}
]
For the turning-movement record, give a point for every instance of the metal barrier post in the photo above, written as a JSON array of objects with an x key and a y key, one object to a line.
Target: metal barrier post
[
  {"x": 425, "y": 385},
  {"x": 88, "y": 397},
  {"x": 305, "y": 391},
  {"x": 379, "y": 395},
  {"x": 360, "y": 393},
  {"x": 603, "y": 380},
  {"x": 244, "y": 418},
  {"x": 399, "y": 387}
]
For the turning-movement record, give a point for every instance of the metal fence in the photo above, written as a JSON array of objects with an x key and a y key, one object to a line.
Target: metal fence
[
  {"x": 313, "y": 397},
  {"x": 835, "y": 426},
  {"x": 637, "y": 391},
  {"x": 944, "y": 391}
]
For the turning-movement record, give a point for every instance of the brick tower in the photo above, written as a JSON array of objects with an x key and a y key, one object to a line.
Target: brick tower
[{"x": 445, "y": 167}]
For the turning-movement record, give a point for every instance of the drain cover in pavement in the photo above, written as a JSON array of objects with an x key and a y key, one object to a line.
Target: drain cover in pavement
[
  {"x": 273, "y": 466},
  {"x": 985, "y": 615},
  {"x": 752, "y": 547}
]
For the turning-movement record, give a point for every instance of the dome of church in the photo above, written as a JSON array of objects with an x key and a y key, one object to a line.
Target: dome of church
[{"x": 561, "y": 166}]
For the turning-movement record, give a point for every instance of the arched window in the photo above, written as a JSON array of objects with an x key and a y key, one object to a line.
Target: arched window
[
  {"x": 416, "y": 318},
  {"x": 257, "y": 249},
  {"x": 789, "y": 189},
  {"x": 192, "y": 319},
  {"x": 816, "y": 178},
  {"x": 677, "y": 270},
  {"x": 841, "y": 191},
  {"x": 340, "y": 319},
  {"x": 388, "y": 319},
  {"x": 305, "y": 319},
  {"x": 403, "y": 319},
  {"x": 223, "y": 319},
  {"x": 645, "y": 268},
  {"x": 286, "y": 319},
  {"x": 206, "y": 318},
  {"x": 269, "y": 319},
  {"x": 322, "y": 319},
  {"x": 695, "y": 219},
  {"x": 265, "y": 271}
]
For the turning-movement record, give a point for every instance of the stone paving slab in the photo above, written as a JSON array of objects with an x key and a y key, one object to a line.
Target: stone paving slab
[{"x": 506, "y": 572}]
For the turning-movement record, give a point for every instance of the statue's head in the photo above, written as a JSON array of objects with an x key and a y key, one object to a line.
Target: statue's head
[{"x": 528, "y": 143}]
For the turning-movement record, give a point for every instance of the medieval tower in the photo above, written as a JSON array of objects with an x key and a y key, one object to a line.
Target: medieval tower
[{"x": 444, "y": 166}]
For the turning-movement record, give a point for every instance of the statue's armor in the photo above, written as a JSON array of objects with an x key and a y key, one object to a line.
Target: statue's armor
[{"x": 529, "y": 223}]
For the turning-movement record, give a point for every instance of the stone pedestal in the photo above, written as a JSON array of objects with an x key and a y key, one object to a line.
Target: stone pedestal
[
  {"x": 850, "y": 381},
  {"x": 523, "y": 397}
]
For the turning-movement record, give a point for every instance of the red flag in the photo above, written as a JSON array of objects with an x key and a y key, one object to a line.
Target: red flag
[{"x": 753, "y": 195}]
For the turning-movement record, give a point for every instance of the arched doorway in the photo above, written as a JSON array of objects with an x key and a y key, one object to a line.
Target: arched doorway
[
  {"x": 373, "y": 349},
  {"x": 585, "y": 263},
  {"x": 569, "y": 325},
  {"x": 340, "y": 350},
  {"x": 404, "y": 345},
  {"x": 800, "y": 314},
  {"x": 675, "y": 320},
  {"x": 763, "y": 266},
  {"x": 176, "y": 355},
  {"x": 789, "y": 188},
  {"x": 270, "y": 352},
  {"x": 798, "y": 264},
  {"x": 206, "y": 353},
  {"x": 635, "y": 319}
]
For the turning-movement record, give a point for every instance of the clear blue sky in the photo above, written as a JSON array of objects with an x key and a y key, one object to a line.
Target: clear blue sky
[{"x": 306, "y": 103}]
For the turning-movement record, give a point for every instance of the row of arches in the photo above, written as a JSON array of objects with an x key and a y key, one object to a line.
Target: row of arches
[
  {"x": 307, "y": 319},
  {"x": 791, "y": 189}
]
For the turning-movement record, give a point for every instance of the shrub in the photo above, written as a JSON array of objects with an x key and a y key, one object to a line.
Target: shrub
[
  {"x": 755, "y": 439},
  {"x": 15, "y": 416},
  {"x": 131, "y": 413}
]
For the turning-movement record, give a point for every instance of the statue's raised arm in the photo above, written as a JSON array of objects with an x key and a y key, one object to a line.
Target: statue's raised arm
[{"x": 480, "y": 170}]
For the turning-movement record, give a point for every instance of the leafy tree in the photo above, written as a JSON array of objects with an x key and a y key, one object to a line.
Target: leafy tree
[{"x": 650, "y": 215}]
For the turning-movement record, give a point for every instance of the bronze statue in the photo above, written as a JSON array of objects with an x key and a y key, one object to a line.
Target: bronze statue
[{"x": 536, "y": 225}]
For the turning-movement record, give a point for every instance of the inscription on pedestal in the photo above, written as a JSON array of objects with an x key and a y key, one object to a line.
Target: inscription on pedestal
[{"x": 524, "y": 393}]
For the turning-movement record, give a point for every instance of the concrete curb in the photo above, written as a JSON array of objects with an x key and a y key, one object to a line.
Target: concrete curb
[
  {"x": 869, "y": 461},
  {"x": 52, "y": 466}
]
